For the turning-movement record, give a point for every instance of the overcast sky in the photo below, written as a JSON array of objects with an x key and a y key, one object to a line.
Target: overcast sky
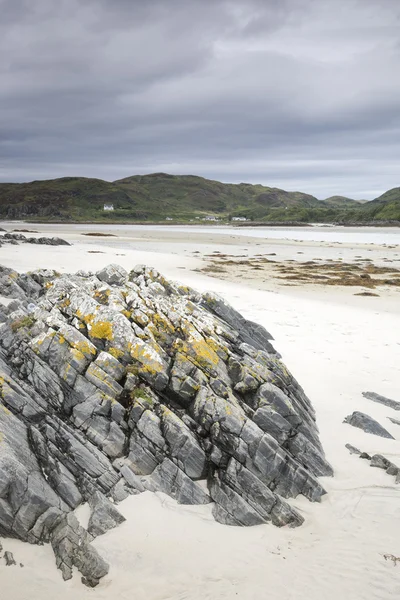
[{"x": 297, "y": 94}]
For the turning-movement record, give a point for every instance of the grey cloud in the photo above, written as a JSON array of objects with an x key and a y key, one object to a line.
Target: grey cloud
[{"x": 296, "y": 94}]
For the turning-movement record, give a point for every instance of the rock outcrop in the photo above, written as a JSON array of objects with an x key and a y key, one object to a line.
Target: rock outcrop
[
  {"x": 378, "y": 461},
  {"x": 382, "y": 400},
  {"x": 14, "y": 238},
  {"x": 367, "y": 424},
  {"x": 117, "y": 383}
]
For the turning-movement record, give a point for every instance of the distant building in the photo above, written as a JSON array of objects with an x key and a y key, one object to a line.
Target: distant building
[
  {"x": 109, "y": 207},
  {"x": 239, "y": 219},
  {"x": 168, "y": 218},
  {"x": 210, "y": 218}
]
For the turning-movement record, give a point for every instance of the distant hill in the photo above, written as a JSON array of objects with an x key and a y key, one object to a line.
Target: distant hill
[
  {"x": 342, "y": 201},
  {"x": 386, "y": 207},
  {"x": 160, "y": 196}
]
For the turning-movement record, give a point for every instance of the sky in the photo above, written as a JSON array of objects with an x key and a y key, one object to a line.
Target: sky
[{"x": 297, "y": 94}]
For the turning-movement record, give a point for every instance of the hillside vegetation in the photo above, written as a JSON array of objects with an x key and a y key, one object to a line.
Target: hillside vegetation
[{"x": 160, "y": 196}]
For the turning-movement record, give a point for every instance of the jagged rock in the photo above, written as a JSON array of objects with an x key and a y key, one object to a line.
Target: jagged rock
[
  {"x": 171, "y": 480},
  {"x": 113, "y": 275},
  {"x": 253, "y": 333},
  {"x": 367, "y": 424},
  {"x": 104, "y": 515},
  {"x": 395, "y": 421},
  {"x": 113, "y": 384},
  {"x": 71, "y": 545},
  {"x": 382, "y": 400},
  {"x": 381, "y": 462},
  {"x": 9, "y": 559}
]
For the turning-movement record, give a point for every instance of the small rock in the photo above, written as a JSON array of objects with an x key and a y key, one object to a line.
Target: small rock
[
  {"x": 9, "y": 558},
  {"x": 353, "y": 449},
  {"x": 379, "y": 461},
  {"x": 365, "y": 455}
]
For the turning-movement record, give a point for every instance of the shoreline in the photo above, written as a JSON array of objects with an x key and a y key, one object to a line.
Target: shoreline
[
  {"x": 337, "y": 346},
  {"x": 222, "y": 223}
]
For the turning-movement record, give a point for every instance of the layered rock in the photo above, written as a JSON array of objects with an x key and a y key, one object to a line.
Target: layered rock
[{"x": 116, "y": 383}]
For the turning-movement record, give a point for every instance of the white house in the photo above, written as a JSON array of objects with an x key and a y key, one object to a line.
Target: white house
[
  {"x": 239, "y": 219},
  {"x": 109, "y": 207}
]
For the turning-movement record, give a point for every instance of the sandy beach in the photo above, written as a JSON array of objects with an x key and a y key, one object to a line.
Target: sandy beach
[{"x": 337, "y": 344}]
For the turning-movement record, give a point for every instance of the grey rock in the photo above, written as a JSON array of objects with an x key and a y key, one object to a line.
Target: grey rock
[
  {"x": 379, "y": 461},
  {"x": 110, "y": 365},
  {"x": 395, "y": 421},
  {"x": 171, "y": 480},
  {"x": 382, "y": 400},
  {"x": 252, "y": 333},
  {"x": 71, "y": 545},
  {"x": 113, "y": 275},
  {"x": 353, "y": 449},
  {"x": 112, "y": 385},
  {"x": 103, "y": 516},
  {"x": 273, "y": 423},
  {"x": 365, "y": 456},
  {"x": 9, "y": 559},
  {"x": 367, "y": 424}
]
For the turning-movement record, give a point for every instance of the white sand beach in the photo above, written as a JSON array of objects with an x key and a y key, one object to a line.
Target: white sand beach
[{"x": 337, "y": 345}]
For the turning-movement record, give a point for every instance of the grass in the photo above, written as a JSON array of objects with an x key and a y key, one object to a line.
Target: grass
[
  {"x": 26, "y": 322},
  {"x": 158, "y": 196}
]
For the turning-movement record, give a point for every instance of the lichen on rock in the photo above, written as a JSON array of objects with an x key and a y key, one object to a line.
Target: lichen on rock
[{"x": 117, "y": 383}]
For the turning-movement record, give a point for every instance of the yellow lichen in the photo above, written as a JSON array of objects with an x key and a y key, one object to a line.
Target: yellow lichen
[
  {"x": 150, "y": 361},
  {"x": 78, "y": 355},
  {"x": 198, "y": 349},
  {"x": 101, "y": 330},
  {"x": 65, "y": 303},
  {"x": 116, "y": 352},
  {"x": 84, "y": 347}
]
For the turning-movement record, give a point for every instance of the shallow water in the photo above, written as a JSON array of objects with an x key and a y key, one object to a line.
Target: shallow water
[{"x": 317, "y": 233}]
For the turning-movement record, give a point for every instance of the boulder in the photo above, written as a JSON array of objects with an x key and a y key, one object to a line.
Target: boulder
[
  {"x": 113, "y": 275},
  {"x": 114, "y": 384},
  {"x": 367, "y": 424}
]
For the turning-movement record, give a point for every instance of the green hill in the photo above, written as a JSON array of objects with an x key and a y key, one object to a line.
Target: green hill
[
  {"x": 159, "y": 196},
  {"x": 386, "y": 207},
  {"x": 341, "y": 201}
]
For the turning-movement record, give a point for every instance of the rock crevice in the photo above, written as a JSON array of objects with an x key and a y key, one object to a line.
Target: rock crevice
[{"x": 116, "y": 383}]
